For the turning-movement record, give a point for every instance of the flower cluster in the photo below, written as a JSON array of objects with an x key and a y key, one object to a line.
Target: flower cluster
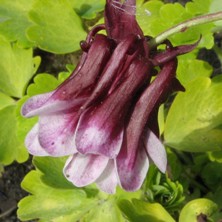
[{"x": 104, "y": 116}]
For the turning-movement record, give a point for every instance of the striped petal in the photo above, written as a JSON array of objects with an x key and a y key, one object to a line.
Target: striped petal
[
  {"x": 100, "y": 128},
  {"x": 77, "y": 87},
  {"x": 132, "y": 168},
  {"x": 98, "y": 134}
]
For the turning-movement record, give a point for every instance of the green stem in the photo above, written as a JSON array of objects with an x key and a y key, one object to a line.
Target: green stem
[{"x": 184, "y": 26}]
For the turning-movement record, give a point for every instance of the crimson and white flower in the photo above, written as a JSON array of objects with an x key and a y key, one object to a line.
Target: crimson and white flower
[{"x": 104, "y": 116}]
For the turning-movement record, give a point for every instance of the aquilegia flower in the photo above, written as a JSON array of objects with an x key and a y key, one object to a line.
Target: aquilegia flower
[{"x": 104, "y": 116}]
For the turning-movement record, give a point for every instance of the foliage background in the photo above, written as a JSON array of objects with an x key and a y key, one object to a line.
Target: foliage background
[{"x": 39, "y": 48}]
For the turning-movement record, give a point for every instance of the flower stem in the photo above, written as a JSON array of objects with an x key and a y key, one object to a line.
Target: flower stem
[{"x": 184, "y": 26}]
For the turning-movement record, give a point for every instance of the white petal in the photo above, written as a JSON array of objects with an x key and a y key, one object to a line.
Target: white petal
[
  {"x": 156, "y": 150},
  {"x": 45, "y": 104},
  {"x": 108, "y": 180},
  {"x": 32, "y": 142},
  {"x": 35, "y": 103},
  {"x": 83, "y": 170}
]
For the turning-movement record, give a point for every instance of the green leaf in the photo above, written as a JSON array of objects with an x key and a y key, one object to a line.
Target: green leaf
[
  {"x": 198, "y": 7},
  {"x": 164, "y": 191},
  {"x": 97, "y": 211},
  {"x": 46, "y": 202},
  {"x": 52, "y": 171},
  {"x": 146, "y": 22},
  {"x": 10, "y": 148},
  {"x": 5, "y": 100},
  {"x": 161, "y": 119},
  {"x": 190, "y": 69},
  {"x": 55, "y": 199},
  {"x": 43, "y": 83},
  {"x": 196, "y": 207},
  {"x": 14, "y": 20},
  {"x": 107, "y": 211},
  {"x": 195, "y": 118},
  {"x": 17, "y": 67},
  {"x": 215, "y": 196},
  {"x": 174, "y": 164},
  {"x": 216, "y": 7},
  {"x": 86, "y": 9},
  {"x": 140, "y": 211},
  {"x": 62, "y": 199},
  {"x": 211, "y": 175},
  {"x": 164, "y": 16},
  {"x": 215, "y": 156},
  {"x": 57, "y": 28}
]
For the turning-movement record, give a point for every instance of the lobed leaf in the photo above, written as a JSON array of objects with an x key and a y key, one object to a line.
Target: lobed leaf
[
  {"x": 5, "y": 100},
  {"x": 17, "y": 66},
  {"x": 56, "y": 27},
  {"x": 14, "y": 20},
  {"x": 55, "y": 199},
  {"x": 190, "y": 69},
  {"x": 58, "y": 202},
  {"x": 88, "y": 10},
  {"x": 10, "y": 148},
  {"x": 163, "y": 16},
  {"x": 195, "y": 117}
]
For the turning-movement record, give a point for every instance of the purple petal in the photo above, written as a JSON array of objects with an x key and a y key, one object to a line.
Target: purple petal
[
  {"x": 120, "y": 19},
  {"x": 32, "y": 142},
  {"x": 156, "y": 150},
  {"x": 56, "y": 133},
  {"x": 132, "y": 167},
  {"x": 74, "y": 91},
  {"x": 82, "y": 84},
  {"x": 151, "y": 99},
  {"x": 110, "y": 72},
  {"x": 100, "y": 128},
  {"x": 83, "y": 170},
  {"x": 95, "y": 135},
  {"x": 108, "y": 180},
  {"x": 172, "y": 53}
]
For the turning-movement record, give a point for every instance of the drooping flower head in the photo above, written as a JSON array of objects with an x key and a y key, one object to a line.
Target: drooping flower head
[{"x": 104, "y": 116}]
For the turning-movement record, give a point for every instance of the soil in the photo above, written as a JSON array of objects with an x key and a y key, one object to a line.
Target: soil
[{"x": 10, "y": 190}]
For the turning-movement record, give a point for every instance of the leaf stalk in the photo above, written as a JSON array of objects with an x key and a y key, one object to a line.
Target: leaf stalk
[{"x": 181, "y": 27}]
